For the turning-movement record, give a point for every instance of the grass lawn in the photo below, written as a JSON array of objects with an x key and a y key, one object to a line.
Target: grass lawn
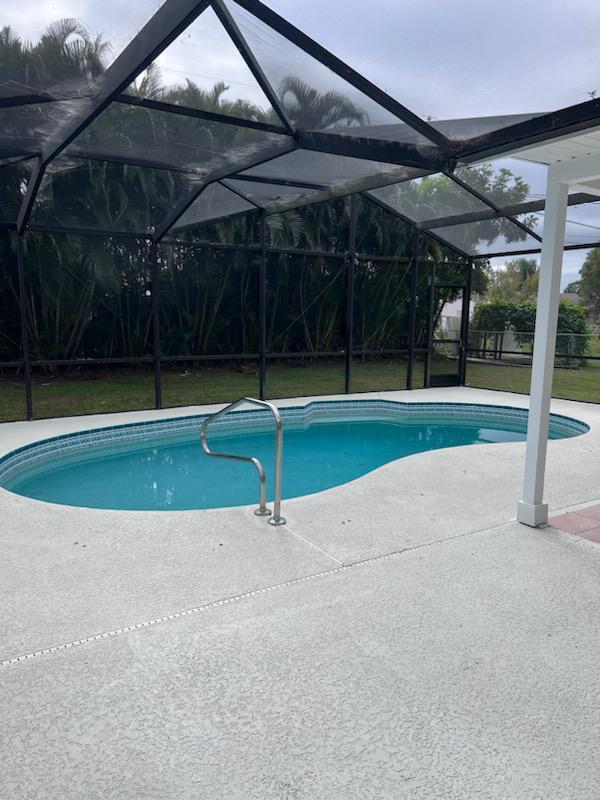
[
  {"x": 130, "y": 390},
  {"x": 570, "y": 384}
]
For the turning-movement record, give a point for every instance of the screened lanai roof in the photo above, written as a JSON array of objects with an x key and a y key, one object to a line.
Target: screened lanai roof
[{"x": 140, "y": 138}]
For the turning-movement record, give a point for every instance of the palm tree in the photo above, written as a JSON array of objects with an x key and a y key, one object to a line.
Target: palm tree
[
  {"x": 65, "y": 57},
  {"x": 307, "y": 107},
  {"x": 87, "y": 278},
  {"x": 212, "y": 100}
]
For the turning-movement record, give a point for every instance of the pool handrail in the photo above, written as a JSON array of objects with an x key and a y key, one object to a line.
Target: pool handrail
[{"x": 262, "y": 510}]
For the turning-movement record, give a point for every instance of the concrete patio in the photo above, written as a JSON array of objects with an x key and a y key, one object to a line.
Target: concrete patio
[{"x": 401, "y": 636}]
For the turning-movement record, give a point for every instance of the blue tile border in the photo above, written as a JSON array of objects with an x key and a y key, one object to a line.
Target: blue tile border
[{"x": 292, "y": 416}]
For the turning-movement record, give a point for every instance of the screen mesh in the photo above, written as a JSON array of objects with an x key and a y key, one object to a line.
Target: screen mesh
[
  {"x": 582, "y": 226},
  {"x": 203, "y": 69},
  {"x": 215, "y": 202},
  {"x": 507, "y": 181},
  {"x": 13, "y": 184},
  {"x": 209, "y": 324},
  {"x": 428, "y": 198},
  {"x": 489, "y": 236},
  {"x": 444, "y": 60},
  {"x": 313, "y": 96},
  {"x": 330, "y": 170},
  {"x": 84, "y": 193},
  {"x": 172, "y": 140}
]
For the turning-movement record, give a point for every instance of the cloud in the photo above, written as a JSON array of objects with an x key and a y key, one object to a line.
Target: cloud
[
  {"x": 444, "y": 58},
  {"x": 572, "y": 261},
  {"x": 440, "y": 58},
  {"x": 463, "y": 58}
]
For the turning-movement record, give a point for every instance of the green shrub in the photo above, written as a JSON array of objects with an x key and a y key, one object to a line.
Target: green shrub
[{"x": 520, "y": 318}]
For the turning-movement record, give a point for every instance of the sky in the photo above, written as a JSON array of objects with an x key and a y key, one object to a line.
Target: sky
[
  {"x": 440, "y": 58},
  {"x": 443, "y": 58},
  {"x": 572, "y": 261}
]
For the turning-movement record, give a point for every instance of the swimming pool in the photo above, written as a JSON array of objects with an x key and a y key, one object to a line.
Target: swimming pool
[{"x": 161, "y": 466}]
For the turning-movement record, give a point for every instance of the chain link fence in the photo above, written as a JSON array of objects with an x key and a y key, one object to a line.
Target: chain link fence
[{"x": 502, "y": 360}]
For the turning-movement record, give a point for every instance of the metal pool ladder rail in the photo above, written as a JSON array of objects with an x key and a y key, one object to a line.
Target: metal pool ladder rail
[{"x": 262, "y": 510}]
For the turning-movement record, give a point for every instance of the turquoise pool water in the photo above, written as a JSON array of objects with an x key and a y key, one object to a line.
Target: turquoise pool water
[{"x": 167, "y": 470}]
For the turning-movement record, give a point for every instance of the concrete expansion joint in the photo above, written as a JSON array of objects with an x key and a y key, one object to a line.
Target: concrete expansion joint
[
  {"x": 312, "y": 544},
  {"x": 235, "y": 598}
]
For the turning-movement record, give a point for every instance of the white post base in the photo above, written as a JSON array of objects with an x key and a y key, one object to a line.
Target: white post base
[{"x": 532, "y": 515}]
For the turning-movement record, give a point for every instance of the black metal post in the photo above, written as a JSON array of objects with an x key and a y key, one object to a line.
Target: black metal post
[
  {"x": 156, "y": 323},
  {"x": 412, "y": 309},
  {"x": 350, "y": 264},
  {"x": 464, "y": 323},
  {"x": 24, "y": 328},
  {"x": 430, "y": 312},
  {"x": 262, "y": 308}
]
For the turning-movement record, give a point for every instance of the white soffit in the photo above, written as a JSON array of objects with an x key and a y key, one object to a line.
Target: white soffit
[{"x": 563, "y": 148}]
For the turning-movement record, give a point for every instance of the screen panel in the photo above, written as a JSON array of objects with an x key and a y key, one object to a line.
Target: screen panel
[
  {"x": 582, "y": 225},
  {"x": 489, "y": 236},
  {"x": 552, "y": 60},
  {"x": 209, "y": 301},
  {"x": 90, "y": 296},
  {"x": 12, "y": 381},
  {"x": 313, "y": 96},
  {"x": 330, "y": 170},
  {"x": 454, "y": 129},
  {"x": 171, "y": 140},
  {"x": 203, "y": 69},
  {"x": 10, "y": 316},
  {"x": 381, "y": 305},
  {"x": 306, "y": 325},
  {"x": 506, "y": 181},
  {"x": 62, "y": 50},
  {"x": 90, "y": 300},
  {"x": 13, "y": 185},
  {"x": 209, "y": 325},
  {"x": 380, "y": 330},
  {"x": 85, "y": 193},
  {"x": 273, "y": 196},
  {"x": 214, "y": 203},
  {"x": 428, "y": 198},
  {"x": 28, "y": 128}
]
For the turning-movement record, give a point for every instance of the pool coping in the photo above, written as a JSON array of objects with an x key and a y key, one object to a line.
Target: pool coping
[
  {"x": 106, "y": 640},
  {"x": 401, "y": 504}
]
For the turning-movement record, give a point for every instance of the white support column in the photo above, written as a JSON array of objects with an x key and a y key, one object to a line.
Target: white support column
[{"x": 531, "y": 510}]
